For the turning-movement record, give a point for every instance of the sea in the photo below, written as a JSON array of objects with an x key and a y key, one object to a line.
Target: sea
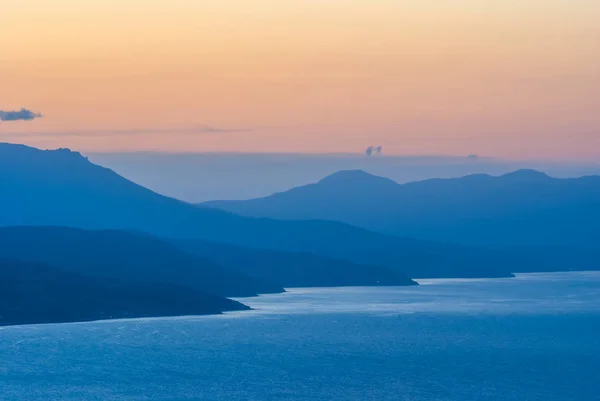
[{"x": 535, "y": 337}]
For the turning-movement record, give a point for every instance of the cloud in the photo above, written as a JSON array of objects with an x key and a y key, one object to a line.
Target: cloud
[
  {"x": 198, "y": 129},
  {"x": 371, "y": 150},
  {"x": 19, "y": 115}
]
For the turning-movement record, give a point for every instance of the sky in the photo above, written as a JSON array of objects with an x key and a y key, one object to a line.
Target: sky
[{"x": 500, "y": 78}]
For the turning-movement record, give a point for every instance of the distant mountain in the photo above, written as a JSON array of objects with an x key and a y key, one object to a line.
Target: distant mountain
[
  {"x": 62, "y": 188},
  {"x": 294, "y": 269},
  {"x": 523, "y": 208},
  {"x": 254, "y": 175},
  {"x": 33, "y": 293},
  {"x": 126, "y": 256}
]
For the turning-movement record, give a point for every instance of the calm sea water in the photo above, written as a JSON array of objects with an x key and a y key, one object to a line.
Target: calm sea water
[{"x": 535, "y": 337}]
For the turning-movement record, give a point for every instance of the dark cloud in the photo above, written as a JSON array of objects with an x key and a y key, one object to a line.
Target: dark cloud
[{"x": 18, "y": 115}]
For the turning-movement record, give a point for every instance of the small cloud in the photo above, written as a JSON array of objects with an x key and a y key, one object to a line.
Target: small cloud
[
  {"x": 473, "y": 157},
  {"x": 373, "y": 150},
  {"x": 18, "y": 115}
]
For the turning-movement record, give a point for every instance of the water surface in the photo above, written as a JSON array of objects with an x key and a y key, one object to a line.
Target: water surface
[{"x": 535, "y": 337}]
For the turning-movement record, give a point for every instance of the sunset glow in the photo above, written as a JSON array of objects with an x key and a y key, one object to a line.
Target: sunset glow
[{"x": 501, "y": 78}]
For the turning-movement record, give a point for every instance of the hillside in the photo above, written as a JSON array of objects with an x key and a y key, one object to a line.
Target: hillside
[
  {"x": 294, "y": 269},
  {"x": 125, "y": 256},
  {"x": 62, "y": 188},
  {"x": 33, "y": 293}
]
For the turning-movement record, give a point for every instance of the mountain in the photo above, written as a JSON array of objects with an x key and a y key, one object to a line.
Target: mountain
[
  {"x": 294, "y": 269},
  {"x": 125, "y": 256},
  {"x": 33, "y": 293},
  {"x": 523, "y": 208},
  {"x": 62, "y": 188}
]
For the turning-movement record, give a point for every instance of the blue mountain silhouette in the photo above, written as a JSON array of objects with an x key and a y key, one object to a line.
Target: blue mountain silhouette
[
  {"x": 62, "y": 188},
  {"x": 39, "y": 293},
  {"x": 523, "y": 208}
]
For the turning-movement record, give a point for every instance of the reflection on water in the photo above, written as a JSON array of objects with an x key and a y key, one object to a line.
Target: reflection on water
[{"x": 527, "y": 293}]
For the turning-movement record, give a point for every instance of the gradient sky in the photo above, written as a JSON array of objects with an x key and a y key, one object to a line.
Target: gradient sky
[{"x": 507, "y": 78}]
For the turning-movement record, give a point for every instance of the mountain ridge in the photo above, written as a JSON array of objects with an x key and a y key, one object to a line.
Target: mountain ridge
[
  {"x": 37, "y": 192},
  {"x": 521, "y": 208}
]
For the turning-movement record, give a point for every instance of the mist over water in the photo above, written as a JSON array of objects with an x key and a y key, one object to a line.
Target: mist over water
[{"x": 530, "y": 338}]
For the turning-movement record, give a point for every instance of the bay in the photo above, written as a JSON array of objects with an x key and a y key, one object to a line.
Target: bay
[{"x": 534, "y": 337}]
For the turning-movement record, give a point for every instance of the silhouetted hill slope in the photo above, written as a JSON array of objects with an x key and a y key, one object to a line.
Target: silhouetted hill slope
[
  {"x": 522, "y": 208},
  {"x": 32, "y": 293},
  {"x": 62, "y": 188},
  {"x": 293, "y": 269},
  {"x": 127, "y": 256}
]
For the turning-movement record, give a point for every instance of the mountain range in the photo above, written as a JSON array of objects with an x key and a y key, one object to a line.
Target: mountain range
[
  {"x": 62, "y": 188},
  {"x": 75, "y": 232},
  {"x": 522, "y": 208}
]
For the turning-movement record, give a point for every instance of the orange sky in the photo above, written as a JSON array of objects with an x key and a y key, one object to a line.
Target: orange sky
[{"x": 497, "y": 77}]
